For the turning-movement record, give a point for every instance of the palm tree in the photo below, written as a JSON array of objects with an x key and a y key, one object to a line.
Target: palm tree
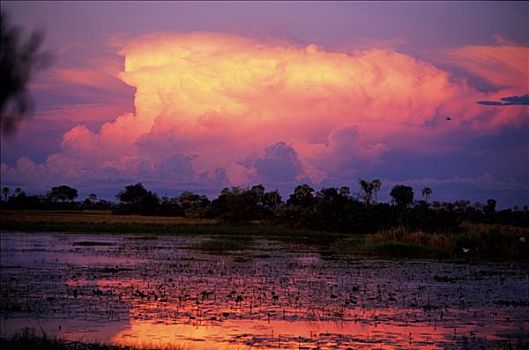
[
  {"x": 426, "y": 192},
  {"x": 367, "y": 187},
  {"x": 376, "y": 187}
]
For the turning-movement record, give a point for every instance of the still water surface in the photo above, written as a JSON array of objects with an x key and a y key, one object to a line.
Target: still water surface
[{"x": 159, "y": 290}]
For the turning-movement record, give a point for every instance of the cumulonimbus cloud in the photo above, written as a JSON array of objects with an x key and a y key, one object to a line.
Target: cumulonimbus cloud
[{"x": 215, "y": 109}]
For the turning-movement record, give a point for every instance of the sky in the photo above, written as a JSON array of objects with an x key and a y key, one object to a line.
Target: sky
[{"x": 204, "y": 95}]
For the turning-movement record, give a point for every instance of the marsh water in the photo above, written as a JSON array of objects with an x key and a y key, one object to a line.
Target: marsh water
[{"x": 160, "y": 290}]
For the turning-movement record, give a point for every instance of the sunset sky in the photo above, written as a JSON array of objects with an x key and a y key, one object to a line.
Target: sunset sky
[{"x": 200, "y": 96}]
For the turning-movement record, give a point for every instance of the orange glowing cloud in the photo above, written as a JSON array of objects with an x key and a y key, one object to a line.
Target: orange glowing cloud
[
  {"x": 217, "y": 108},
  {"x": 95, "y": 72},
  {"x": 505, "y": 65},
  {"x": 82, "y": 76}
]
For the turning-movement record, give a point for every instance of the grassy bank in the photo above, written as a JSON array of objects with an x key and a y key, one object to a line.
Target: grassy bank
[
  {"x": 103, "y": 222},
  {"x": 93, "y": 222},
  {"x": 474, "y": 241}
]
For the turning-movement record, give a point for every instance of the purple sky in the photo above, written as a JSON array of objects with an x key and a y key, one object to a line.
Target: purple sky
[{"x": 464, "y": 52}]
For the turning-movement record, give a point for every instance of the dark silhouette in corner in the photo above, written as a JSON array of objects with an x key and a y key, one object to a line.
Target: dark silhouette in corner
[{"x": 20, "y": 58}]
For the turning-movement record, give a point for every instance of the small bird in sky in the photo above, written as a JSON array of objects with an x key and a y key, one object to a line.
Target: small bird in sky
[{"x": 448, "y": 118}]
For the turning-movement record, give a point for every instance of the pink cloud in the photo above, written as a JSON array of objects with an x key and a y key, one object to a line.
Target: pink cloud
[
  {"x": 211, "y": 108},
  {"x": 84, "y": 76},
  {"x": 504, "y": 65},
  {"x": 84, "y": 113}
]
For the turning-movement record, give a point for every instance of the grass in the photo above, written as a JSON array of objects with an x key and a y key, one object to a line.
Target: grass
[
  {"x": 474, "y": 241},
  {"x": 222, "y": 245},
  {"x": 404, "y": 249},
  {"x": 147, "y": 227},
  {"x": 94, "y": 222},
  {"x": 29, "y": 339}
]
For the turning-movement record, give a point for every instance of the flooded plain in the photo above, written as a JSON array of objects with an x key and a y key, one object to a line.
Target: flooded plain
[{"x": 160, "y": 290}]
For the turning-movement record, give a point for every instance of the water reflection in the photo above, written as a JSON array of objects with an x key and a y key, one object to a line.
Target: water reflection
[
  {"x": 283, "y": 334},
  {"x": 160, "y": 291}
]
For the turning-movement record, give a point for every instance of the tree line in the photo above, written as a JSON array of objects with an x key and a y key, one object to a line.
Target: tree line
[{"x": 329, "y": 209}]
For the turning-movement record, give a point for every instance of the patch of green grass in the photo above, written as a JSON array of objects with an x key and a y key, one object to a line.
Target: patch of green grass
[
  {"x": 349, "y": 244},
  {"x": 475, "y": 241},
  {"x": 403, "y": 249},
  {"x": 494, "y": 241},
  {"x": 222, "y": 245}
]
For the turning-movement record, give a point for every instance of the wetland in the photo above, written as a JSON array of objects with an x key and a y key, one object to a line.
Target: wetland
[{"x": 246, "y": 292}]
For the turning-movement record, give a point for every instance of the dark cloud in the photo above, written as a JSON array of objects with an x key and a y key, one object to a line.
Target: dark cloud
[
  {"x": 280, "y": 164},
  {"x": 522, "y": 100},
  {"x": 178, "y": 168}
]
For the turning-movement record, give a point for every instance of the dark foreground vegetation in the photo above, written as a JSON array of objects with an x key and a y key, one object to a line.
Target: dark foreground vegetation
[
  {"x": 359, "y": 224},
  {"x": 31, "y": 339}
]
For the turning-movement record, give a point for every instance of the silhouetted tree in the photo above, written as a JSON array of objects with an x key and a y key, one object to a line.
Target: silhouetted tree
[
  {"x": 302, "y": 196},
  {"x": 23, "y": 201},
  {"x": 369, "y": 188},
  {"x": 345, "y": 192},
  {"x": 62, "y": 193},
  {"x": 18, "y": 62},
  {"x": 236, "y": 205},
  {"x": 272, "y": 200},
  {"x": 402, "y": 195},
  {"x": 331, "y": 210},
  {"x": 133, "y": 194},
  {"x": 193, "y": 204},
  {"x": 462, "y": 205},
  {"x": 490, "y": 207},
  {"x": 136, "y": 199},
  {"x": 91, "y": 202},
  {"x": 376, "y": 187},
  {"x": 426, "y": 192},
  {"x": 259, "y": 192},
  {"x": 170, "y": 207},
  {"x": 5, "y": 193}
]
